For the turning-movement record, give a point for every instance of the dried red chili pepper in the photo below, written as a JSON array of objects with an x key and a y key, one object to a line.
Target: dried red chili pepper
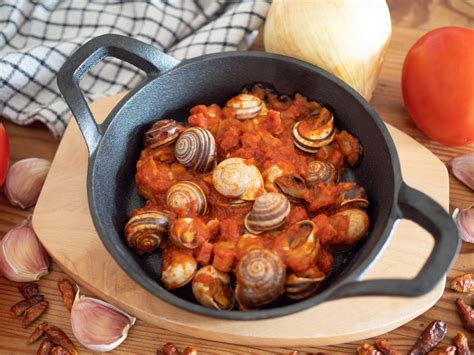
[
  {"x": 385, "y": 347},
  {"x": 462, "y": 345},
  {"x": 431, "y": 336},
  {"x": 59, "y": 350},
  {"x": 170, "y": 349},
  {"x": 463, "y": 283},
  {"x": 19, "y": 308},
  {"x": 367, "y": 349},
  {"x": 445, "y": 350},
  {"x": 38, "y": 332},
  {"x": 466, "y": 313},
  {"x": 189, "y": 351},
  {"x": 45, "y": 347},
  {"x": 58, "y": 337},
  {"x": 68, "y": 291},
  {"x": 33, "y": 313},
  {"x": 28, "y": 290}
]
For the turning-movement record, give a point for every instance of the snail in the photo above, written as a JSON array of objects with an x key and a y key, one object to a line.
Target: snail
[
  {"x": 145, "y": 231},
  {"x": 357, "y": 222},
  {"x": 261, "y": 276},
  {"x": 320, "y": 171},
  {"x": 293, "y": 186},
  {"x": 212, "y": 288},
  {"x": 246, "y": 106},
  {"x": 188, "y": 232},
  {"x": 298, "y": 288},
  {"x": 235, "y": 178},
  {"x": 311, "y": 134},
  {"x": 299, "y": 245},
  {"x": 179, "y": 267},
  {"x": 186, "y": 196},
  {"x": 352, "y": 195},
  {"x": 248, "y": 242},
  {"x": 269, "y": 211},
  {"x": 269, "y": 175},
  {"x": 196, "y": 148},
  {"x": 162, "y": 132}
]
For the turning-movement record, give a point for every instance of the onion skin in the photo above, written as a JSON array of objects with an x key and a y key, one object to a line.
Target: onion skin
[{"x": 345, "y": 37}]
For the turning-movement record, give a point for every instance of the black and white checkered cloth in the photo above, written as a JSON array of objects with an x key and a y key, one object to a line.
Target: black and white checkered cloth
[{"x": 36, "y": 37}]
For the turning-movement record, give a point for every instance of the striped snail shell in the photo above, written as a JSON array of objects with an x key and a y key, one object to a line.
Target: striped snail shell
[
  {"x": 145, "y": 230},
  {"x": 235, "y": 178},
  {"x": 269, "y": 175},
  {"x": 298, "y": 288},
  {"x": 212, "y": 288},
  {"x": 186, "y": 196},
  {"x": 247, "y": 106},
  {"x": 311, "y": 134},
  {"x": 261, "y": 276},
  {"x": 352, "y": 195},
  {"x": 321, "y": 171},
  {"x": 179, "y": 267},
  {"x": 188, "y": 232},
  {"x": 162, "y": 132},
  {"x": 357, "y": 225},
  {"x": 269, "y": 211},
  {"x": 196, "y": 148}
]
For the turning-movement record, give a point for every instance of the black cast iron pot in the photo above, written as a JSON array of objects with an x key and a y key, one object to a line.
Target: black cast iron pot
[{"x": 170, "y": 89}]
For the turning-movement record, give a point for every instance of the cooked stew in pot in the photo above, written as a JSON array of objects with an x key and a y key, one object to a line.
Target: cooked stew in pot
[{"x": 246, "y": 202}]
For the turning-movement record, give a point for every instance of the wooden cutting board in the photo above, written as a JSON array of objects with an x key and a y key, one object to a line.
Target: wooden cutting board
[{"x": 64, "y": 226}]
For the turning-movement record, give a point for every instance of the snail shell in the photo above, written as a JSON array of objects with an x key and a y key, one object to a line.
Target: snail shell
[
  {"x": 321, "y": 171},
  {"x": 354, "y": 196},
  {"x": 186, "y": 196},
  {"x": 292, "y": 186},
  {"x": 269, "y": 175},
  {"x": 269, "y": 211},
  {"x": 188, "y": 232},
  {"x": 246, "y": 106},
  {"x": 145, "y": 230},
  {"x": 298, "y": 288},
  {"x": 162, "y": 132},
  {"x": 311, "y": 134},
  {"x": 179, "y": 267},
  {"x": 196, "y": 148},
  {"x": 261, "y": 277},
  {"x": 234, "y": 178},
  {"x": 212, "y": 288},
  {"x": 358, "y": 224}
]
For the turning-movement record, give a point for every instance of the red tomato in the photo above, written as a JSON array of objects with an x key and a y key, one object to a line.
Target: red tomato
[
  {"x": 4, "y": 154},
  {"x": 438, "y": 85}
]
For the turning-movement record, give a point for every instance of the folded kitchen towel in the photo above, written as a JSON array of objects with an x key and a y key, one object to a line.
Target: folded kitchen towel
[{"x": 36, "y": 37}]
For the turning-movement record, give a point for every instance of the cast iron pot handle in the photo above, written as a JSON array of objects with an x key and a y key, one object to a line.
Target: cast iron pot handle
[
  {"x": 146, "y": 57},
  {"x": 421, "y": 209}
]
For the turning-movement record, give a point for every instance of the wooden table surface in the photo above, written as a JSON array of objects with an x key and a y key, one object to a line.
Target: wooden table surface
[{"x": 36, "y": 141}]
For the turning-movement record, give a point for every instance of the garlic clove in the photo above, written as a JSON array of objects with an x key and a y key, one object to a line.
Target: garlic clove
[
  {"x": 465, "y": 221},
  {"x": 462, "y": 167},
  {"x": 97, "y": 325},
  {"x": 24, "y": 181},
  {"x": 22, "y": 257}
]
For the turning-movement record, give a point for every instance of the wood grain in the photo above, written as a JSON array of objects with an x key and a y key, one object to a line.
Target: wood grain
[{"x": 419, "y": 16}]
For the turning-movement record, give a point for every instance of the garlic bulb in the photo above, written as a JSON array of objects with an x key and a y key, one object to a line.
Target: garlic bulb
[
  {"x": 22, "y": 257},
  {"x": 348, "y": 38},
  {"x": 465, "y": 221},
  {"x": 25, "y": 180},
  {"x": 97, "y": 325},
  {"x": 462, "y": 167}
]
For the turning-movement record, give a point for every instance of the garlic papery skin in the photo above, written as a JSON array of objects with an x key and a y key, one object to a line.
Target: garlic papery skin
[
  {"x": 97, "y": 325},
  {"x": 462, "y": 167},
  {"x": 24, "y": 181},
  {"x": 22, "y": 257},
  {"x": 465, "y": 221},
  {"x": 348, "y": 38}
]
